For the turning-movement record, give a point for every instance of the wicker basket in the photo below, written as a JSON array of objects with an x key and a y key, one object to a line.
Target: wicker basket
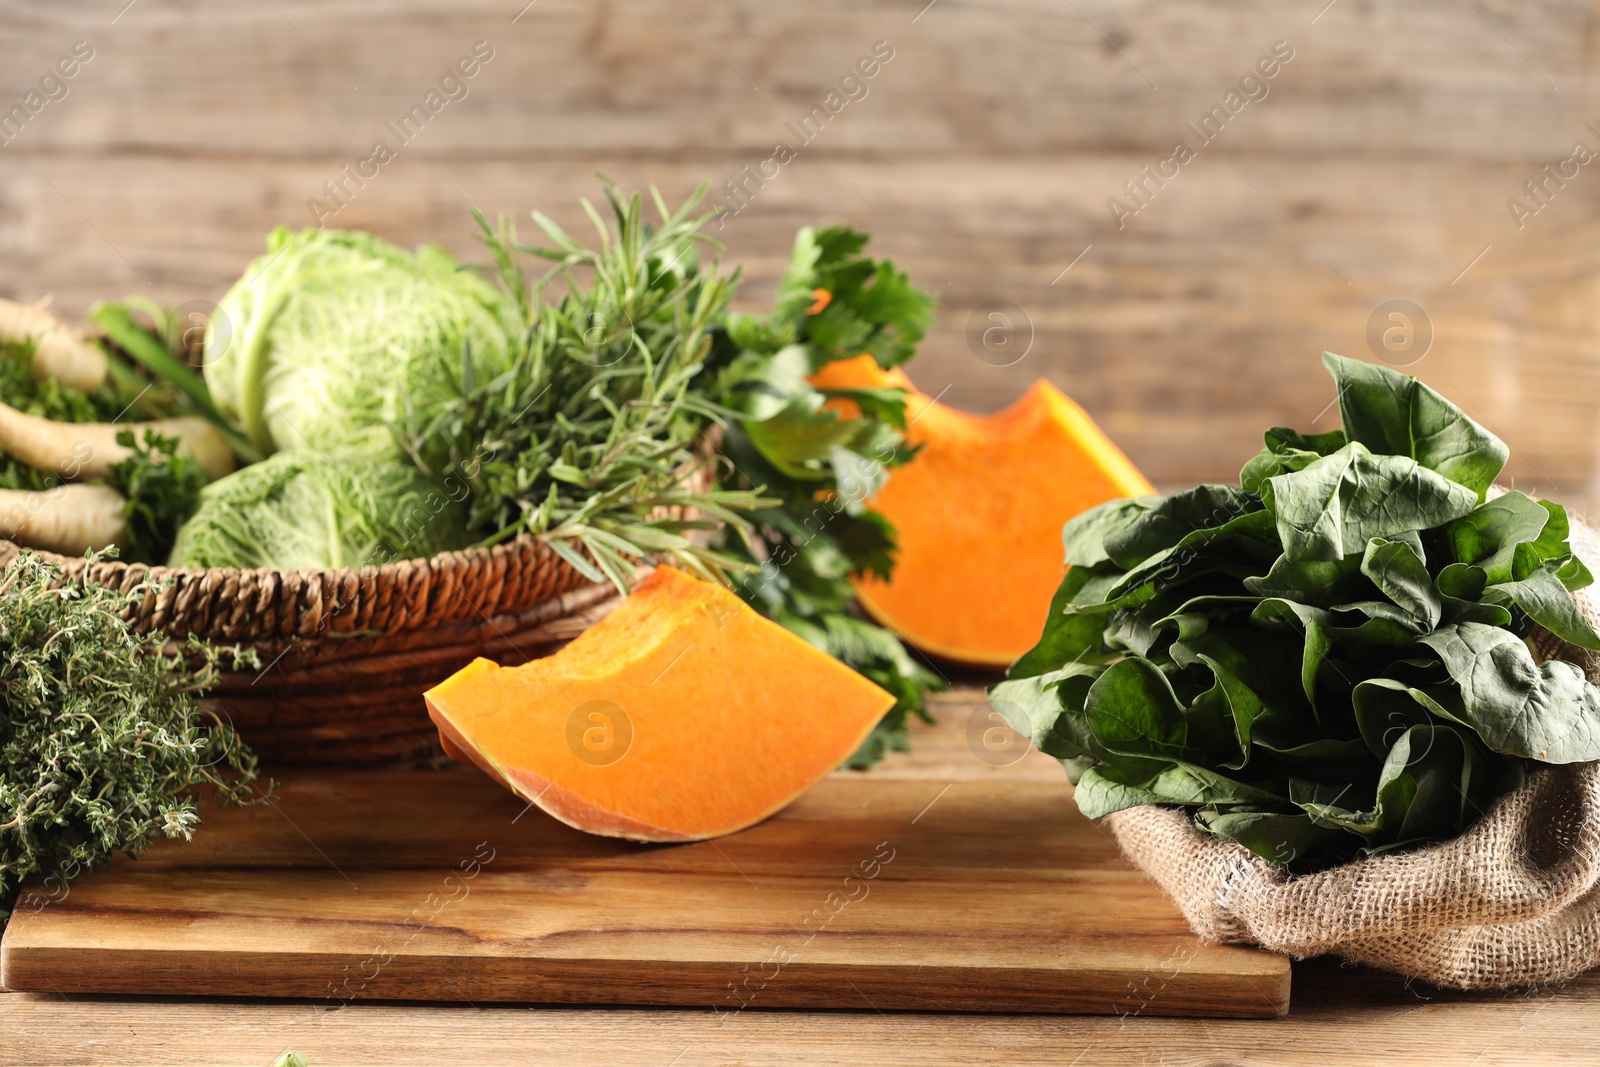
[{"x": 346, "y": 654}]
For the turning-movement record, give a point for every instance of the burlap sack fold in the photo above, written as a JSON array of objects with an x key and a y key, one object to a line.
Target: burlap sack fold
[{"x": 1513, "y": 901}]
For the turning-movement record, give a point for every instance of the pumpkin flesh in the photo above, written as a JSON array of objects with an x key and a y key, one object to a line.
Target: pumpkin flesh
[
  {"x": 978, "y": 514},
  {"x": 710, "y": 717}
]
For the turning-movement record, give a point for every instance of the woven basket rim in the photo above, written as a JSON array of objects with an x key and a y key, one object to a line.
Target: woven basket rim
[
  {"x": 155, "y": 572},
  {"x": 276, "y": 604}
]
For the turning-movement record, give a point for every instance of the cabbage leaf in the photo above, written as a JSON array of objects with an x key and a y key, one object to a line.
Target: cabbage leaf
[
  {"x": 337, "y": 339},
  {"x": 307, "y": 508}
]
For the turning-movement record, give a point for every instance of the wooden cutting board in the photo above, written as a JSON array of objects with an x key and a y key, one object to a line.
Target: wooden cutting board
[{"x": 438, "y": 885}]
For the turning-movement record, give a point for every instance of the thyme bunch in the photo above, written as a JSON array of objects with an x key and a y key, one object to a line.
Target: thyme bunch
[{"x": 103, "y": 745}]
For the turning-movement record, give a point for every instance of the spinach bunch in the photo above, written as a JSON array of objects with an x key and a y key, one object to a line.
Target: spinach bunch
[{"x": 1328, "y": 660}]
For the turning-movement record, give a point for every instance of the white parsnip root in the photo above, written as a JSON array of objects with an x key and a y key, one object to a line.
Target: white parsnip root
[
  {"x": 69, "y": 519},
  {"x": 59, "y": 354},
  {"x": 77, "y": 450}
]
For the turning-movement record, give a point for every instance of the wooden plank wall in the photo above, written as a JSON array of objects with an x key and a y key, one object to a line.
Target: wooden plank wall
[{"x": 1377, "y": 166}]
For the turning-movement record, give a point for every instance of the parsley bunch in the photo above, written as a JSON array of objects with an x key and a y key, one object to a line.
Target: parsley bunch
[
  {"x": 833, "y": 302},
  {"x": 47, "y": 399}
]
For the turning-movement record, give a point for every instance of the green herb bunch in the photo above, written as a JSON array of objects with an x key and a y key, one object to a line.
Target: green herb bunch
[
  {"x": 818, "y": 466},
  {"x": 1328, "y": 660},
  {"x": 102, "y": 742},
  {"x": 162, "y": 487},
  {"x": 585, "y": 440}
]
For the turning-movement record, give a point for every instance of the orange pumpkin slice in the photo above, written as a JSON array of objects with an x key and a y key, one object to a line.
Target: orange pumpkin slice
[
  {"x": 978, "y": 514},
  {"x": 680, "y": 716}
]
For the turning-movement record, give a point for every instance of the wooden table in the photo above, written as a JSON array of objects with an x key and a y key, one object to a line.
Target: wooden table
[{"x": 1346, "y": 1014}]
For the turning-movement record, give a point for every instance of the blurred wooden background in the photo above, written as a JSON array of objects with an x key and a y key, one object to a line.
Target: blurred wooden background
[{"x": 1378, "y": 168}]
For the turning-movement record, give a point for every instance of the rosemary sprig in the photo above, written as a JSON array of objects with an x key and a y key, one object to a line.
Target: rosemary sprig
[{"x": 586, "y": 440}]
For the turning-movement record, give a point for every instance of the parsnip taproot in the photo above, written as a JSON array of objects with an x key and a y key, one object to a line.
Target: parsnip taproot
[
  {"x": 76, "y": 450},
  {"x": 69, "y": 519},
  {"x": 58, "y": 353}
]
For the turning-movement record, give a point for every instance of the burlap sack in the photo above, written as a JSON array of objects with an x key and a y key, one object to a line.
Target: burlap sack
[{"x": 1513, "y": 901}]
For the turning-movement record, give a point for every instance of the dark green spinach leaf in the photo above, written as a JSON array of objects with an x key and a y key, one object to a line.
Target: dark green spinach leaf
[{"x": 1329, "y": 660}]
